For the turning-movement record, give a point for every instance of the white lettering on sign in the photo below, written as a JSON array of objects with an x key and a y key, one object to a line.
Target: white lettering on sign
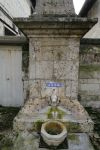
[{"x": 54, "y": 84}]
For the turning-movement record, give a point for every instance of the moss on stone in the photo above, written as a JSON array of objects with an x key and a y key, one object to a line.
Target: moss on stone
[
  {"x": 38, "y": 125},
  {"x": 89, "y": 68},
  {"x": 5, "y": 142},
  {"x": 7, "y": 115},
  {"x": 72, "y": 137},
  {"x": 60, "y": 113},
  {"x": 1, "y": 137},
  {"x": 6, "y": 148},
  {"x": 72, "y": 127}
]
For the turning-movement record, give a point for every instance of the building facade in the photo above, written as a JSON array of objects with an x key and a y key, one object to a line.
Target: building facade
[
  {"x": 91, "y": 9},
  {"x": 17, "y": 8},
  {"x": 7, "y": 27},
  {"x": 89, "y": 72},
  {"x": 10, "y": 10}
]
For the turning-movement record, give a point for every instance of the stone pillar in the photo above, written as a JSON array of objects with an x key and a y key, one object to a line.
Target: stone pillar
[
  {"x": 56, "y": 7},
  {"x": 54, "y": 59},
  {"x": 54, "y": 37}
]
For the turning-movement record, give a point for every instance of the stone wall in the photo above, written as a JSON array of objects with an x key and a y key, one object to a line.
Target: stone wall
[
  {"x": 59, "y": 7},
  {"x": 54, "y": 60},
  {"x": 89, "y": 72}
]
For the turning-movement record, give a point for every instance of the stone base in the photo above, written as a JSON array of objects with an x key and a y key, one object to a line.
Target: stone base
[
  {"x": 34, "y": 113},
  {"x": 30, "y": 141},
  {"x": 63, "y": 145}
]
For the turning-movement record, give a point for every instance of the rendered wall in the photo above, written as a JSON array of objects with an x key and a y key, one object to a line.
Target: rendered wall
[
  {"x": 11, "y": 89},
  {"x": 12, "y": 71}
]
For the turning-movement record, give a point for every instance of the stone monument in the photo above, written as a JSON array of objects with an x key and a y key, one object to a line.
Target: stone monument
[{"x": 54, "y": 33}]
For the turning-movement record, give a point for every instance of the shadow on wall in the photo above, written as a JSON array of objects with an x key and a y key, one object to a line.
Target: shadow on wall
[{"x": 33, "y": 3}]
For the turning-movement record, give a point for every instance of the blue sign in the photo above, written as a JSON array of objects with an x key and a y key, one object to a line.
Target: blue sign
[{"x": 54, "y": 84}]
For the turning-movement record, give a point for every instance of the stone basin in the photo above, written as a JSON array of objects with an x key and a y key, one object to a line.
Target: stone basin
[{"x": 53, "y": 133}]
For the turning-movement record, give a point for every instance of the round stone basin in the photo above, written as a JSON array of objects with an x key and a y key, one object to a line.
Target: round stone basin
[{"x": 53, "y": 133}]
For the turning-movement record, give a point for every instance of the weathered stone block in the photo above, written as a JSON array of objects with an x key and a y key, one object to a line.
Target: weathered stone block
[
  {"x": 66, "y": 70},
  {"x": 40, "y": 51},
  {"x": 35, "y": 88},
  {"x": 90, "y": 87},
  {"x": 71, "y": 89},
  {"x": 88, "y": 74},
  {"x": 39, "y": 88},
  {"x": 47, "y": 91},
  {"x": 89, "y": 81},
  {"x": 90, "y": 58},
  {"x": 64, "y": 53},
  {"x": 58, "y": 7},
  {"x": 41, "y": 70},
  {"x": 54, "y": 59}
]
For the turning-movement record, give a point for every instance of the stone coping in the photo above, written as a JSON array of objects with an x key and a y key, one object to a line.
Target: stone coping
[
  {"x": 13, "y": 40},
  {"x": 42, "y": 26},
  {"x": 73, "y": 21}
]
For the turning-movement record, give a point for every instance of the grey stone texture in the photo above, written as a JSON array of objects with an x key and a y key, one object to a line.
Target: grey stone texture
[
  {"x": 54, "y": 52},
  {"x": 75, "y": 118},
  {"x": 30, "y": 141},
  {"x": 54, "y": 59},
  {"x": 89, "y": 74},
  {"x": 55, "y": 7}
]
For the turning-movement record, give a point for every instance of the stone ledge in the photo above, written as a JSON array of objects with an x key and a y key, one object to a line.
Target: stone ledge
[
  {"x": 38, "y": 21},
  {"x": 41, "y": 25},
  {"x": 56, "y": 18}
]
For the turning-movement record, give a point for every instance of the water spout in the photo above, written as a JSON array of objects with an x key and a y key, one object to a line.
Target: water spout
[
  {"x": 54, "y": 98},
  {"x": 54, "y": 103},
  {"x": 54, "y": 114}
]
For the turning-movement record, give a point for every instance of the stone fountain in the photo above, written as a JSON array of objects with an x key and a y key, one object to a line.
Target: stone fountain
[
  {"x": 54, "y": 33},
  {"x": 53, "y": 132}
]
